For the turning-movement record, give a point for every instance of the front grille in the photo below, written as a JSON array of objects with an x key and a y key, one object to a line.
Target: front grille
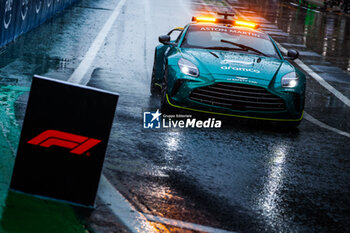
[{"x": 238, "y": 97}]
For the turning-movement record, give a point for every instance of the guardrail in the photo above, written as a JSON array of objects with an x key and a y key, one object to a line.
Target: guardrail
[{"x": 20, "y": 16}]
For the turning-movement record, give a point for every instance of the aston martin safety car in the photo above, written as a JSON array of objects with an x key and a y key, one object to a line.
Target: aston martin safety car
[{"x": 230, "y": 68}]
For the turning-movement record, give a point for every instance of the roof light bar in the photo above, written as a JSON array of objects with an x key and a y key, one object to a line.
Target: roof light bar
[
  {"x": 246, "y": 24},
  {"x": 204, "y": 19},
  {"x": 212, "y": 20},
  {"x": 226, "y": 21}
]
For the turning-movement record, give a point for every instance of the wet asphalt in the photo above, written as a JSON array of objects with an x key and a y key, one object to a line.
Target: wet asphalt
[{"x": 244, "y": 177}]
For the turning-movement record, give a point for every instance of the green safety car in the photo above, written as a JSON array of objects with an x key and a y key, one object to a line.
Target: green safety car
[{"x": 230, "y": 68}]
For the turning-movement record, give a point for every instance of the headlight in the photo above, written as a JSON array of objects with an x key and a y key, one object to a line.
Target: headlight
[
  {"x": 290, "y": 80},
  {"x": 188, "y": 67}
]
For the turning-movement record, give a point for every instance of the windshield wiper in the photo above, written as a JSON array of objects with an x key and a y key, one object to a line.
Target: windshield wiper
[
  {"x": 225, "y": 48},
  {"x": 244, "y": 47},
  {"x": 213, "y": 54}
]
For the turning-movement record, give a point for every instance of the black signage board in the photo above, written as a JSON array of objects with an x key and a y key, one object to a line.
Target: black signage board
[{"x": 63, "y": 141}]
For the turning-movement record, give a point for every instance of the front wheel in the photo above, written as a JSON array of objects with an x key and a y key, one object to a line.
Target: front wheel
[
  {"x": 154, "y": 88},
  {"x": 165, "y": 107}
]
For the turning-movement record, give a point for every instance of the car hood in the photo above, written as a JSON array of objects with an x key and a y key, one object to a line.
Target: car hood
[{"x": 221, "y": 64}]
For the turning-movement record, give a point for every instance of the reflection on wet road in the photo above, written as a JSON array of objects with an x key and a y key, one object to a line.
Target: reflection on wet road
[{"x": 244, "y": 177}]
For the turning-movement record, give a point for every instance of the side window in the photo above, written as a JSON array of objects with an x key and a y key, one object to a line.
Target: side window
[{"x": 175, "y": 34}]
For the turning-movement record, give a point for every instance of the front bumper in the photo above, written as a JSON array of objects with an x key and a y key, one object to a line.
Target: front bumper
[{"x": 180, "y": 97}]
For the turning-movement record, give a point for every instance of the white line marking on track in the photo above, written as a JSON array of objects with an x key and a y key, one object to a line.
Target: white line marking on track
[
  {"x": 323, "y": 82},
  {"x": 127, "y": 214},
  {"x": 323, "y": 125},
  {"x": 185, "y": 225},
  {"x": 79, "y": 73}
]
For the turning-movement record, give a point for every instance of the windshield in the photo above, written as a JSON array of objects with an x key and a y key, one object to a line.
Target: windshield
[{"x": 226, "y": 38}]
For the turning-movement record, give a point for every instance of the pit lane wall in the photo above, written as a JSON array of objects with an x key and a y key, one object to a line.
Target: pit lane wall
[{"x": 19, "y": 16}]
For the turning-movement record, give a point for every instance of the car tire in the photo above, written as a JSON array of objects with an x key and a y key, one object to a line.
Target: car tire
[
  {"x": 165, "y": 107},
  {"x": 155, "y": 90}
]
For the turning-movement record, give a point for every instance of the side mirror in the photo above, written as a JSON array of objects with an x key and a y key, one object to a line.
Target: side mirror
[
  {"x": 165, "y": 39},
  {"x": 292, "y": 54}
]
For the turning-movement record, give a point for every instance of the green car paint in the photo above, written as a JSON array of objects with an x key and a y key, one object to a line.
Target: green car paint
[
  {"x": 227, "y": 67},
  {"x": 21, "y": 213}
]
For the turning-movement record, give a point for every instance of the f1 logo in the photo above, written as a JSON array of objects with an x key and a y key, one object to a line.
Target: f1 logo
[{"x": 78, "y": 144}]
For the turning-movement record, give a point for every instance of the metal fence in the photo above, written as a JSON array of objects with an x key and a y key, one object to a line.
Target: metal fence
[{"x": 20, "y": 16}]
